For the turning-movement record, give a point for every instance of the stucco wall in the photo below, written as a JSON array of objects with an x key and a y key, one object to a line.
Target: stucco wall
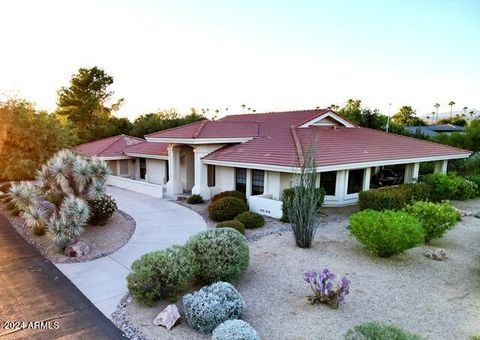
[
  {"x": 224, "y": 179},
  {"x": 156, "y": 171}
]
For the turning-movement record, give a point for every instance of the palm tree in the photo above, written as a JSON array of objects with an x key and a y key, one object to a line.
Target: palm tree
[
  {"x": 471, "y": 114},
  {"x": 436, "y": 106},
  {"x": 451, "y": 107}
]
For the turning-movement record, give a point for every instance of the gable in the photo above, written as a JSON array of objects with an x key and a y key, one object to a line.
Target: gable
[{"x": 328, "y": 119}]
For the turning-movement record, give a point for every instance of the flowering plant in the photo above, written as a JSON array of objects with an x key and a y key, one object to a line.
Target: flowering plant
[{"x": 325, "y": 289}]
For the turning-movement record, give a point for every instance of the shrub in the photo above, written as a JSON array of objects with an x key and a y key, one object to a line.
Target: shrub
[
  {"x": 235, "y": 330},
  {"x": 251, "y": 220},
  {"x": 475, "y": 179},
  {"x": 443, "y": 186},
  {"x": 387, "y": 232},
  {"x": 287, "y": 201},
  {"x": 35, "y": 218},
  {"x": 232, "y": 193},
  {"x": 5, "y": 187},
  {"x": 212, "y": 305},
  {"x": 393, "y": 198},
  {"x": 23, "y": 195},
  {"x": 102, "y": 208},
  {"x": 325, "y": 290},
  {"x": 237, "y": 225},
  {"x": 195, "y": 199},
  {"x": 467, "y": 189},
  {"x": 375, "y": 330},
  {"x": 161, "y": 274},
  {"x": 225, "y": 209},
  {"x": 436, "y": 219},
  {"x": 220, "y": 254}
]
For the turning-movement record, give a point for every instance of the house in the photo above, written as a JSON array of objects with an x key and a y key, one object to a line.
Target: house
[
  {"x": 433, "y": 130},
  {"x": 258, "y": 154}
]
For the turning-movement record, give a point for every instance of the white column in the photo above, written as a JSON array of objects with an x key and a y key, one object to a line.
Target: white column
[
  {"x": 341, "y": 186},
  {"x": 174, "y": 186},
  {"x": 249, "y": 183},
  {"x": 366, "y": 179},
  {"x": 441, "y": 166},
  {"x": 411, "y": 172},
  {"x": 201, "y": 173}
]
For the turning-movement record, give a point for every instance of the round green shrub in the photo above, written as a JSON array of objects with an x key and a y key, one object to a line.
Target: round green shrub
[
  {"x": 375, "y": 330},
  {"x": 210, "y": 306},
  {"x": 195, "y": 199},
  {"x": 238, "y": 226},
  {"x": 161, "y": 274},
  {"x": 467, "y": 189},
  {"x": 235, "y": 330},
  {"x": 386, "y": 232},
  {"x": 220, "y": 254},
  {"x": 436, "y": 219},
  {"x": 102, "y": 209},
  {"x": 232, "y": 193},
  {"x": 251, "y": 220},
  {"x": 226, "y": 209},
  {"x": 443, "y": 186}
]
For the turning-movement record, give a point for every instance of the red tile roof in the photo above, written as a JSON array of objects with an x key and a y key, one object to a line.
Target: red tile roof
[
  {"x": 108, "y": 147},
  {"x": 148, "y": 148}
]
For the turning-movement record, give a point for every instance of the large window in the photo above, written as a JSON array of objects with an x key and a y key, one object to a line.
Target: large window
[
  {"x": 258, "y": 179},
  {"x": 355, "y": 181},
  {"x": 143, "y": 168},
  {"x": 328, "y": 181},
  {"x": 211, "y": 176},
  {"x": 241, "y": 180}
]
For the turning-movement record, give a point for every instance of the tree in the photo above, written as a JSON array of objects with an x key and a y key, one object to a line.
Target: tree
[
  {"x": 162, "y": 120},
  {"x": 28, "y": 138},
  {"x": 87, "y": 103},
  {"x": 407, "y": 116},
  {"x": 455, "y": 120},
  {"x": 436, "y": 106},
  {"x": 451, "y": 107}
]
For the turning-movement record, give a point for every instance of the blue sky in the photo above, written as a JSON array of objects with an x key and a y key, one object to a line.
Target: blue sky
[{"x": 270, "y": 55}]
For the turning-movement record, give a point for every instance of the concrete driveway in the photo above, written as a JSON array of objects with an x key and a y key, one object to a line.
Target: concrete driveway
[{"x": 160, "y": 224}]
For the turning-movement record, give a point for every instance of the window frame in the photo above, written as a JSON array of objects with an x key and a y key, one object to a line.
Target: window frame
[
  {"x": 322, "y": 176},
  {"x": 241, "y": 186},
  {"x": 258, "y": 175},
  {"x": 211, "y": 176}
]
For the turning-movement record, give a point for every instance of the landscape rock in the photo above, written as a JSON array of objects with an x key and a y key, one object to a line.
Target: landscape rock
[
  {"x": 464, "y": 213},
  {"x": 168, "y": 317},
  {"x": 438, "y": 254},
  {"x": 48, "y": 207},
  {"x": 77, "y": 249}
]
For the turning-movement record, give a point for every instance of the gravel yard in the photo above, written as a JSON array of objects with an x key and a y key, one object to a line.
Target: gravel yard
[
  {"x": 438, "y": 299},
  {"x": 102, "y": 240}
]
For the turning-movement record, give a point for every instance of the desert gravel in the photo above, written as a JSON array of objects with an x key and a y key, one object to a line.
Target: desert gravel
[{"x": 437, "y": 299}]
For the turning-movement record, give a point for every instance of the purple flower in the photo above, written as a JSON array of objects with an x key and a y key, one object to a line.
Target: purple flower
[{"x": 310, "y": 276}]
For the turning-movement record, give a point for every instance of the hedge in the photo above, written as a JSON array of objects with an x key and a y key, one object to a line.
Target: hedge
[{"x": 393, "y": 198}]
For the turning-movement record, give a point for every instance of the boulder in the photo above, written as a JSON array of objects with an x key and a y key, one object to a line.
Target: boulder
[
  {"x": 48, "y": 207},
  {"x": 77, "y": 249},
  {"x": 463, "y": 213},
  {"x": 168, "y": 317},
  {"x": 438, "y": 254}
]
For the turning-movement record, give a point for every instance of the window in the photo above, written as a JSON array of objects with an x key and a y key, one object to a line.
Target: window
[
  {"x": 124, "y": 167},
  {"x": 211, "y": 176},
  {"x": 355, "y": 181},
  {"x": 258, "y": 178},
  {"x": 328, "y": 181},
  {"x": 143, "y": 168},
  {"x": 241, "y": 180}
]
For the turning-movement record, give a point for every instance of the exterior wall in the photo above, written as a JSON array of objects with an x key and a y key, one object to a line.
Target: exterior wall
[
  {"x": 265, "y": 205},
  {"x": 137, "y": 186},
  {"x": 286, "y": 180},
  {"x": 156, "y": 171},
  {"x": 224, "y": 179},
  {"x": 113, "y": 167}
]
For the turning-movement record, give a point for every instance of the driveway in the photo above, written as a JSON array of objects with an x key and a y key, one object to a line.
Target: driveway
[
  {"x": 33, "y": 289},
  {"x": 160, "y": 224}
]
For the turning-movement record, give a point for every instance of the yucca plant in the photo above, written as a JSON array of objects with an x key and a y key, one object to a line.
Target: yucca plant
[
  {"x": 303, "y": 212},
  {"x": 23, "y": 195},
  {"x": 35, "y": 218},
  {"x": 66, "y": 225}
]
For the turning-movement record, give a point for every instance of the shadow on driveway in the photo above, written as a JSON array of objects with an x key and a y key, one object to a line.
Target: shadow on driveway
[{"x": 33, "y": 289}]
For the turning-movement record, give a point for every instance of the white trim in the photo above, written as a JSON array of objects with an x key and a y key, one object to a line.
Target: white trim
[
  {"x": 139, "y": 155},
  {"x": 329, "y": 114},
  {"x": 110, "y": 158},
  {"x": 346, "y": 166},
  {"x": 197, "y": 141}
]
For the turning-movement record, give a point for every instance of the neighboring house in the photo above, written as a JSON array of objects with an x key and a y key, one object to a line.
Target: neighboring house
[
  {"x": 433, "y": 130},
  {"x": 259, "y": 153}
]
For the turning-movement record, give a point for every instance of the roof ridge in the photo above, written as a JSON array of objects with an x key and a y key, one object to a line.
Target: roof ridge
[
  {"x": 176, "y": 127},
  {"x": 298, "y": 146},
  {"x": 263, "y": 113},
  {"x": 199, "y": 129},
  {"x": 109, "y": 145}
]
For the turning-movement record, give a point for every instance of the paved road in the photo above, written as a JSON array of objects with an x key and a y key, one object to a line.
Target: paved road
[
  {"x": 160, "y": 224},
  {"x": 33, "y": 289}
]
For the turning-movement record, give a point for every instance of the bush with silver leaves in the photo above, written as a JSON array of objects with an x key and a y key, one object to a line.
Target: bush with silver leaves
[
  {"x": 235, "y": 330},
  {"x": 212, "y": 305}
]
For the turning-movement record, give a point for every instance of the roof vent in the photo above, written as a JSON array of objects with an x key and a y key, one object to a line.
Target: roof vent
[{"x": 336, "y": 127}]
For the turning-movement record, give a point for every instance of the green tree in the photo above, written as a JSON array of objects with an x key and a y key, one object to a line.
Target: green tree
[
  {"x": 86, "y": 103},
  {"x": 436, "y": 106},
  {"x": 166, "y": 119},
  {"x": 28, "y": 138},
  {"x": 451, "y": 107},
  {"x": 407, "y": 116}
]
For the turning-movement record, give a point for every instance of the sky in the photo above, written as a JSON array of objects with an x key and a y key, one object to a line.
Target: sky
[{"x": 268, "y": 55}]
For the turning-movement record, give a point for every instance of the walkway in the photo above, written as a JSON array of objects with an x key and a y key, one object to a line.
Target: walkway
[
  {"x": 160, "y": 224},
  {"x": 33, "y": 289}
]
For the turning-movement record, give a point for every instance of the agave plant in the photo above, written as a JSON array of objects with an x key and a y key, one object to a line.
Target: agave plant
[
  {"x": 35, "y": 217},
  {"x": 23, "y": 195}
]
